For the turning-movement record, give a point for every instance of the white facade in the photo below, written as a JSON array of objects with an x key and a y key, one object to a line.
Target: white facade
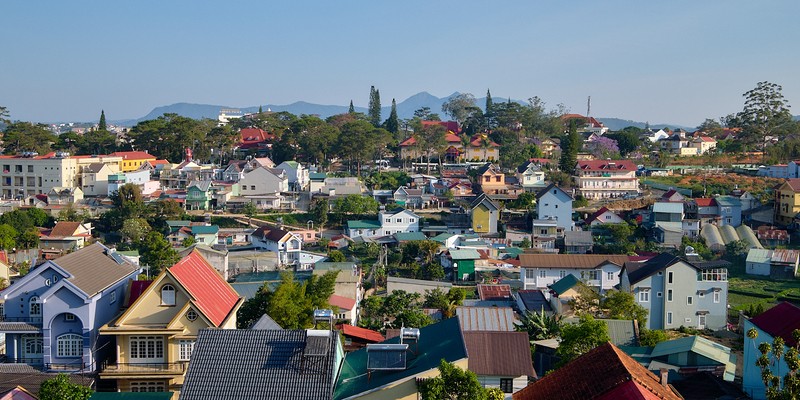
[
  {"x": 404, "y": 221},
  {"x": 262, "y": 181},
  {"x": 288, "y": 248},
  {"x": 296, "y": 173},
  {"x": 604, "y": 276}
]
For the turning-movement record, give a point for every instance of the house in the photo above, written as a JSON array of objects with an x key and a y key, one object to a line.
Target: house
[
  {"x": 254, "y": 140},
  {"x": 654, "y": 136},
  {"x": 267, "y": 364},
  {"x": 414, "y": 198},
  {"x": 482, "y": 148},
  {"x": 578, "y": 242},
  {"x": 787, "y": 201},
  {"x": 730, "y": 210},
  {"x": 338, "y": 187},
  {"x": 345, "y": 309},
  {"x": 772, "y": 237},
  {"x": 235, "y": 171},
  {"x": 66, "y": 236},
  {"x": 687, "y": 356},
  {"x": 388, "y": 223},
  {"x": 604, "y": 216},
  {"x": 562, "y": 292},
  {"x": 356, "y": 337},
  {"x": 455, "y": 151},
  {"x": 94, "y": 178},
  {"x": 156, "y": 336},
  {"x": 281, "y": 242},
  {"x": 500, "y": 359},
  {"x": 491, "y": 180},
  {"x": 262, "y": 186},
  {"x": 199, "y": 195},
  {"x": 64, "y": 195},
  {"x": 203, "y": 234},
  {"x": 703, "y": 144},
  {"x": 584, "y": 124},
  {"x": 132, "y": 160},
  {"x": 602, "y": 179},
  {"x": 677, "y": 292},
  {"x": 484, "y": 214},
  {"x": 363, "y": 376},
  {"x": 549, "y": 147},
  {"x": 487, "y": 318},
  {"x": 531, "y": 176},
  {"x": 22, "y": 380},
  {"x": 62, "y": 303},
  {"x": 779, "y": 321},
  {"x": 532, "y": 301},
  {"x": 17, "y": 393},
  {"x": 494, "y": 292},
  {"x": 217, "y": 258},
  {"x": 777, "y": 264},
  {"x": 668, "y": 222},
  {"x": 605, "y": 372},
  {"x": 538, "y": 271},
  {"x": 462, "y": 261},
  {"x": 296, "y": 173},
  {"x": 553, "y": 203}
]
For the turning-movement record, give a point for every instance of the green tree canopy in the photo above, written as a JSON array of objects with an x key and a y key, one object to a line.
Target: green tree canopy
[
  {"x": 455, "y": 383},
  {"x": 20, "y": 137},
  {"x": 374, "y": 111},
  {"x": 60, "y": 388},
  {"x": 157, "y": 253},
  {"x": 577, "y": 339},
  {"x": 622, "y": 305}
]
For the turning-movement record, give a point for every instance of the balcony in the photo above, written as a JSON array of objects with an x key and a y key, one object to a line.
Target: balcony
[
  {"x": 142, "y": 369},
  {"x": 20, "y": 324}
]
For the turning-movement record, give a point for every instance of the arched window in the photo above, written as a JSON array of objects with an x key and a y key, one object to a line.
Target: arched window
[
  {"x": 35, "y": 307},
  {"x": 69, "y": 345},
  {"x": 167, "y": 295},
  {"x": 33, "y": 345}
]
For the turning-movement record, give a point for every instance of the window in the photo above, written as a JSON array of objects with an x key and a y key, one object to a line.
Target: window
[
  {"x": 141, "y": 387},
  {"x": 507, "y": 385},
  {"x": 644, "y": 295},
  {"x": 716, "y": 296},
  {"x": 669, "y": 277},
  {"x": 388, "y": 220},
  {"x": 35, "y": 307},
  {"x": 186, "y": 347},
  {"x": 542, "y": 273},
  {"x": 562, "y": 274},
  {"x": 399, "y": 220},
  {"x": 69, "y": 317},
  {"x": 252, "y": 187},
  {"x": 113, "y": 298},
  {"x": 592, "y": 275},
  {"x": 610, "y": 276},
  {"x": 689, "y": 300},
  {"x": 530, "y": 273},
  {"x": 669, "y": 317},
  {"x": 30, "y": 168},
  {"x": 556, "y": 205},
  {"x": 147, "y": 347},
  {"x": 191, "y": 315},
  {"x": 69, "y": 345},
  {"x": 669, "y": 295},
  {"x": 168, "y": 295},
  {"x": 659, "y": 294}
]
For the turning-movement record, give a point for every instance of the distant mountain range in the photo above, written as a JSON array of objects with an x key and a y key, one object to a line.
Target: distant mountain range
[{"x": 405, "y": 109}]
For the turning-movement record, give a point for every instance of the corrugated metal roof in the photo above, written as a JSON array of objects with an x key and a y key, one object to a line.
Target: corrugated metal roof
[
  {"x": 668, "y": 207},
  {"x": 759, "y": 256},
  {"x": 486, "y": 318},
  {"x": 215, "y": 298},
  {"x": 465, "y": 254},
  {"x": 93, "y": 270},
  {"x": 494, "y": 292},
  {"x": 784, "y": 256},
  {"x": 586, "y": 261},
  {"x": 696, "y": 344},
  {"x": 499, "y": 353}
]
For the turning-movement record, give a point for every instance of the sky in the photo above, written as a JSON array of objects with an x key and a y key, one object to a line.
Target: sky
[{"x": 675, "y": 62}]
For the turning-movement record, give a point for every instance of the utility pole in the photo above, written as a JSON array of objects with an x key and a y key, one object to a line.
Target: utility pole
[{"x": 589, "y": 106}]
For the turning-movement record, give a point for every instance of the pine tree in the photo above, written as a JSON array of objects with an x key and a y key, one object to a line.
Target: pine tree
[
  {"x": 352, "y": 110},
  {"x": 260, "y": 110},
  {"x": 488, "y": 112},
  {"x": 570, "y": 145},
  {"x": 374, "y": 106},
  {"x": 393, "y": 124},
  {"x": 102, "y": 125}
]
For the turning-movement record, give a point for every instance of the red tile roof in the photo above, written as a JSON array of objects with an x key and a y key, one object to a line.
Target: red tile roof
[
  {"x": 597, "y": 214},
  {"x": 780, "y": 320},
  {"x": 494, "y": 292},
  {"x": 3, "y": 257},
  {"x": 449, "y": 138},
  {"x": 215, "y": 298},
  {"x": 252, "y": 137},
  {"x": 344, "y": 303},
  {"x": 707, "y": 139},
  {"x": 794, "y": 184},
  {"x": 366, "y": 334},
  {"x": 705, "y": 202},
  {"x": 607, "y": 165},
  {"x": 451, "y": 126},
  {"x": 133, "y": 155},
  {"x": 603, "y": 373}
]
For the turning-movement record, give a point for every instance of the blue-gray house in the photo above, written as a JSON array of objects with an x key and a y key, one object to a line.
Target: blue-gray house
[
  {"x": 553, "y": 203},
  {"x": 730, "y": 210},
  {"x": 51, "y": 315}
]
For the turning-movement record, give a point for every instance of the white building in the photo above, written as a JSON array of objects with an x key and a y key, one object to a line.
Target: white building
[
  {"x": 601, "y": 271},
  {"x": 287, "y": 246},
  {"x": 388, "y": 223},
  {"x": 602, "y": 179}
]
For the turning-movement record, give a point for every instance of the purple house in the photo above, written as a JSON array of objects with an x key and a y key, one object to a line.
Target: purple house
[{"x": 51, "y": 316}]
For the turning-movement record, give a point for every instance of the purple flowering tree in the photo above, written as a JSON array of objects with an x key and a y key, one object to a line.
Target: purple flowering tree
[{"x": 604, "y": 147}]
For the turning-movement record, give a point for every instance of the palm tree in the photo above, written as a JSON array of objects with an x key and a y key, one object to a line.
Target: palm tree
[{"x": 540, "y": 326}]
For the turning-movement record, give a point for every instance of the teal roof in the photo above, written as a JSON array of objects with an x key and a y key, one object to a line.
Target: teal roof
[
  {"x": 204, "y": 230},
  {"x": 639, "y": 353},
  {"x": 131, "y": 396},
  {"x": 728, "y": 201},
  {"x": 292, "y": 164},
  {"x": 178, "y": 224},
  {"x": 317, "y": 176},
  {"x": 130, "y": 253},
  {"x": 363, "y": 224},
  {"x": 696, "y": 344},
  {"x": 442, "y": 237},
  {"x": 409, "y": 236},
  {"x": 439, "y": 341},
  {"x": 514, "y": 251},
  {"x": 333, "y": 266},
  {"x": 465, "y": 254},
  {"x": 564, "y": 284}
]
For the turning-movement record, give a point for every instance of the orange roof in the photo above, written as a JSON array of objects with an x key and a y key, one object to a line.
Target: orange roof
[
  {"x": 704, "y": 202},
  {"x": 355, "y": 331},
  {"x": 133, "y": 155},
  {"x": 64, "y": 229},
  {"x": 215, "y": 298},
  {"x": 345, "y": 303}
]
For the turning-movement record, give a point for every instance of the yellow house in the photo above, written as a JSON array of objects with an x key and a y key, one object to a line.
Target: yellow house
[
  {"x": 132, "y": 160},
  {"x": 787, "y": 201},
  {"x": 484, "y": 215},
  {"x": 155, "y": 336},
  {"x": 368, "y": 377}
]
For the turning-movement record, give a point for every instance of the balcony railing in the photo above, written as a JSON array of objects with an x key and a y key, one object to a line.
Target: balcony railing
[
  {"x": 29, "y": 361},
  {"x": 27, "y": 320},
  {"x": 144, "y": 368}
]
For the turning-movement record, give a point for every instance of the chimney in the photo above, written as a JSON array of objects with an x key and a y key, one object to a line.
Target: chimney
[{"x": 664, "y": 374}]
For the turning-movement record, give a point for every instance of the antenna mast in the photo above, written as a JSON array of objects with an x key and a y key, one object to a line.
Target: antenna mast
[{"x": 589, "y": 106}]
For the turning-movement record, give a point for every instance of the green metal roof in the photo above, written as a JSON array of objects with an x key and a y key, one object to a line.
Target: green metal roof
[
  {"x": 130, "y": 253},
  {"x": 439, "y": 341},
  {"x": 564, "y": 284},
  {"x": 514, "y": 251},
  {"x": 363, "y": 224},
  {"x": 465, "y": 254},
  {"x": 204, "y": 230},
  {"x": 696, "y": 344},
  {"x": 178, "y": 223},
  {"x": 442, "y": 237},
  {"x": 317, "y": 176},
  {"x": 639, "y": 353},
  {"x": 333, "y": 266},
  {"x": 131, "y": 396},
  {"x": 409, "y": 236}
]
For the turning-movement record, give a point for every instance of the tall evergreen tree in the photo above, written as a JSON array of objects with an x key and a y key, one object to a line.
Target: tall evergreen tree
[
  {"x": 352, "y": 110},
  {"x": 570, "y": 145},
  {"x": 260, "y": 110},
  {"x": 374, "y": 106},
  {"x": 393, "y": 123},
  {"x": 488, "y": 111},
  {"x": 102, "y": 125}
]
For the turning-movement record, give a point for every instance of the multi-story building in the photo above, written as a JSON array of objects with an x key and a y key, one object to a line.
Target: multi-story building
[
  {"x": 601, "y": 179},
  {"x": 677, "y": 292},
  {"x": 596, "y": 270},
  {"x": 286, "y": 245},
  {"x": 554, "y": 204},
  {"x": 132, "y": 160},
  {"x": 388, "y": 223},
  {"x": 155, "y": 336},
  {"x": 787, "y": 201}
]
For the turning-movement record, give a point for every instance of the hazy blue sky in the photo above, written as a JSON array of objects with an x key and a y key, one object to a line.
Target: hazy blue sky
[{"x": 673, "y": 61}]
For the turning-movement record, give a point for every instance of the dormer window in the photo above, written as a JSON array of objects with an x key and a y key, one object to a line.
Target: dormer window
[{"x": 168, "y": 295}]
